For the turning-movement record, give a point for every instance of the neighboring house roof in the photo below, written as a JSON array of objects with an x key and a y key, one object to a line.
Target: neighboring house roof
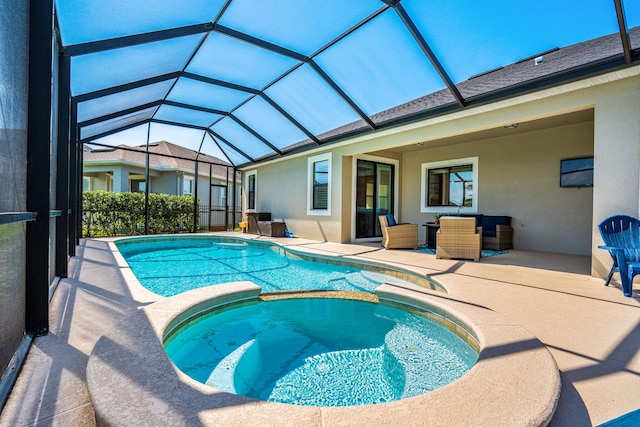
[{"x": 171, "y": 157}]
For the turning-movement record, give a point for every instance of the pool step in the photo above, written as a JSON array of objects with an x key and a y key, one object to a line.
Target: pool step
[{"x": 223, "y": 375}]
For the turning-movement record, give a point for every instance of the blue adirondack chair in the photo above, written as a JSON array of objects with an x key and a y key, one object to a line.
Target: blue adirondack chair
[{"x": 621, "y": 236}]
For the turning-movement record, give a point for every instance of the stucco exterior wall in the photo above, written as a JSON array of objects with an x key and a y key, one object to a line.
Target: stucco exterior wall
[
  {"x": 519, "y": 176},
  {"x": 166, "y": 182},
  {"x": 282, "y": 190},
  {"x": 617, "y": 160}
]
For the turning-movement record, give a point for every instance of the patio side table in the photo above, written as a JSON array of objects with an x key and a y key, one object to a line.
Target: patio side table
[{"x": 432, "y": 229}]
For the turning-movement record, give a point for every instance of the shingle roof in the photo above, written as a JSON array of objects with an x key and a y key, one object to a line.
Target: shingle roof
[{"x": 168, "y": 156}]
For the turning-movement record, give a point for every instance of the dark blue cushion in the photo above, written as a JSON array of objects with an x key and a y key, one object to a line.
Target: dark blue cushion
[
  {"x": 391, "y": 221},
  {"x": 489, "y": 223}
]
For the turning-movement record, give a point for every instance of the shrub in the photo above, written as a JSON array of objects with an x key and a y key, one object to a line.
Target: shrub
[{"x": 122, "y": 214}]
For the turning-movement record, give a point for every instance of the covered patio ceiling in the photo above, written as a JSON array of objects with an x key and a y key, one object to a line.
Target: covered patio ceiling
[{"x": 252, "y": 80}]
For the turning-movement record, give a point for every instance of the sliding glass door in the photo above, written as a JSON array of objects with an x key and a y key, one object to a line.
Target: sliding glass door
[{"x": 374, "y": 196}]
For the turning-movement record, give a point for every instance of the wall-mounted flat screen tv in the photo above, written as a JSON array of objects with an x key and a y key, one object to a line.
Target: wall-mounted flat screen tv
[{"x": 576, "y": 172}]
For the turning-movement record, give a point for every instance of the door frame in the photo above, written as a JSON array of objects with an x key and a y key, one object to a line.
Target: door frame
[
  {"x": 354, "y": 178},
  {"x": 218, "y": 227}
]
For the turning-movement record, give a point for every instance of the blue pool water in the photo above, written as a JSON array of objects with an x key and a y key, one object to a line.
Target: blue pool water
[
  {"x": 319, "y": 352},
  {"x": 168, "y": 266}
]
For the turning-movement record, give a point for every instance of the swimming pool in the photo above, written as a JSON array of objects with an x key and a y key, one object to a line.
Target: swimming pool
[
  {"x": 171, "y": 265},
  {"x": 320, "y": 351}
]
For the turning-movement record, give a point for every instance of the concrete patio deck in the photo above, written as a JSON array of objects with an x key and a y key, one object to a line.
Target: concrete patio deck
[{"x": 592, "y": 331}]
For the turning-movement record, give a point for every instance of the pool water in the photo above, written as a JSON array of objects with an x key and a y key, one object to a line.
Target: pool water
[
  {"x": 319, "y": 352},
  {"x": 170, "y": 266}
]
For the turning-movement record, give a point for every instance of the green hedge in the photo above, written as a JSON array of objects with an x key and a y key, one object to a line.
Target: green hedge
[{"x": 122, "y": 214}]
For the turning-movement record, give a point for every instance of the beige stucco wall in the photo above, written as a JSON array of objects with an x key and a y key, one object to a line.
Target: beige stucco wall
[
  {"x": 282, "y": 190},
  {"x": 519, "y": 176},
  {"x": 613, "y": 138}
]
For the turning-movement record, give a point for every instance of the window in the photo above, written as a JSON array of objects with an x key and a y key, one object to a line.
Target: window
[
  {"x": 86, "y": 183},
  {"x": 450, "y": 186},
  {"x": 138, "y": 186},
  {"x": 109, "y": 182},
  {"x": 319, "y": 185},
  {"x": 251, "y": 187},
  {"x": 187, "y": 186}
]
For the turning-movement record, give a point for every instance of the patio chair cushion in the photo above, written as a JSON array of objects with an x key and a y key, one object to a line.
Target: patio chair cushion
[
  {"x": 489, "y": 223},
  {"x": 391, "y": 221}
]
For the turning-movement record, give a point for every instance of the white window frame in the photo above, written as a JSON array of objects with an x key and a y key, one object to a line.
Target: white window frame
[
  {"x": 246, "y": 192},
  {"x": 310, "y": 162},
  {"x": 449, "y": 209},
  {"x": 186, "y": 179}
]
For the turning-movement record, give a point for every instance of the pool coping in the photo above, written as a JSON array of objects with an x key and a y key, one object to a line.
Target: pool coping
[{"x": 131, "y": 380}]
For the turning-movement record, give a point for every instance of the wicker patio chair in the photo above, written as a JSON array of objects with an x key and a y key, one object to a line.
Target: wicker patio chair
[
  {"x": 399, "y": 235},
  {"x": 501, "y": 241},
  {"x": 459, "y": 238}
]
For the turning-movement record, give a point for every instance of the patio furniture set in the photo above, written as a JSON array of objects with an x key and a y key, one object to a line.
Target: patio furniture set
[
  {"x": 261, "y": 223},
  {"x": 464, "y": 237},
  {"x": 456, "y": 237}
]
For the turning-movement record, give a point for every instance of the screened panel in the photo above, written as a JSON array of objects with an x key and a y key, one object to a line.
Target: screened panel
[
  {"x": 230, "y": 130},
  {"x": 365, "y": 48},
  {"x": 119, "y": 66},
  {"x": 238, "y": 62},
  {"x": 473, "y": 37},
  {"x": 14, "y": 81},
  {"x": 380, "y": 65},
  {"x": 186, "y": 137},
  {"x": 118, "y": 122},
  {"x": 234, "y": 156},
  {"x": 268, "y": 122},
  {"x": 123, "y": 100},
  {"x": 85, "y": 21},
  {"x": 210, "y": 148},
  {"x": 632, "y": 10},
  {"x": 301, "y": 26},
  {"x": 311, "y": 101},
  {"x": 12, "y": 298},
  {"x": 194, "y": 92},
  {"x": 133, "y": 136},
  {"x": 185, "y": 115},
  {"x": 299, "y": 145}
]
